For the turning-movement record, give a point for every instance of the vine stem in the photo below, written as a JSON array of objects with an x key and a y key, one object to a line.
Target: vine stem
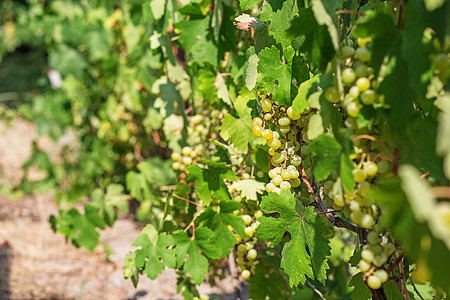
[
  {"x": 184, "y": 199},
  {"x": 315, "y": 289}
]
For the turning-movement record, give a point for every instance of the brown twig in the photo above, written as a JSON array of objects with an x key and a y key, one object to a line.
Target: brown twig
[
  {"x": 441, "y": 191},
  {"x": 350, "y": 12},
  {"x": 315, "y": 289},
  {"x": 184, "y": 199}
]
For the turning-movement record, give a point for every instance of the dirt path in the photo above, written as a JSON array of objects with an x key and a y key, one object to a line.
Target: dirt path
[{"x": 35, "y": 263}]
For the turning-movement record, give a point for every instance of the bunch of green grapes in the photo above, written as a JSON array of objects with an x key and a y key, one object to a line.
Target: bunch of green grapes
[
  {"x": 200, "y": 128},
  {"x": 246, "y": 254},
  {"x": 373, "y": 258},
  {"x": 283, "y": 143},
  {"x": 360, "y": 82}
]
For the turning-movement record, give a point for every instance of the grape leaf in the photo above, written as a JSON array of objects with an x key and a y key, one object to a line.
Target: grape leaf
[
  {"x": 329, "y": 156},
  {"x": 360, "y": 291},
  {"x": 248, "y": 188},
  {"x": 210, "y": 180},
  {"x": 154, "y": 254},
  {"x": 246, "y": 4},
  {"x": 219, "y": 222},
  {"x": 238, "y": 131},
  {"x": 279, "y": 13},
  {"x": 325, "y": 14},
  {"x": 305, "y": 232},
  {"x": 392, "y": 292},
  {"x": 317, "y": 43},
  {"x": 189, "y": 256},
  {"x": 275, "y": 74},
  {"x": 129, "y": 268},
  {"x": 137, "y": 185},
  {"x": 315, "y": 127}
]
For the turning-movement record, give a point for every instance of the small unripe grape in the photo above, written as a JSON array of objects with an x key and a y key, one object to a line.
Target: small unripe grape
[
  {"x": 266, "y": 105},
  {"x": 252, "y": 254},
  {"x": 274, "y": 143},
  {"x": 267, "y": 134},
  {"x": 382, "y": 275},
  {"x": 354, "y": 206},
  {"x": 352, "y": 109},
  {"x": 380, "y": 259},
  {"x": 296, "y": 182},
  {"x": 354, "y": 91},
  {"x": 241, "y": 249},
  {"x": 176, "y": 166},
  {"x": 278, "y": 158},
  {"x": 348, "y": 75},
  {"x": 285, "y": 185},
  {"x": 285, "y": 129},
  {"x": 257, "y": 130},
  {"x": 367, "y": 255},
  {"x": 383, "y": 166},
  {"x": 182, "y": 167},
  {"x": 249, "y": 231},
  {"x": 286, "y": 175},
  {"x": 291, "y": 115},
  {"x": 247, "y": 219},
  {"x": 328, "y": 185},
  {"x": 260, "y": 174},
  {"x": 361, "y": 70},
  {"x": 284, "y": 121},
  {"x": 257, "y": 121},
  {"x": 374, "y": 282},
  {"x": 258, "y": 214},
  {"x": 368, "y": 97},
  {"x": 277, "y": 180},
  {"x": 249, "y": 245},
  {"x": 296, "y": 160},
  {"x": 175, "y": 156},
  {"x": 338, "y": 201},
  {"x": 268, "y": 117},
  {"x": 332, "y": 94},
  {"x": 272, "y": 173},
  {"x": 238, "y": 199},
  {"x": 359, "y": 175},
  {"x": 363, "y": 54},
  {"x": 373, "y": 238},
  {"x": 364, "y": 266},
  {"x": 371, "y": 168},
  {"x": 246, "y": 274},
  {"x": 186, "y": 160},
  {"x": 186, "y": 151},
  {"x": 366, "y": 221},
  {"x": 347, "y": 51},
  {"x": 389, "y": 248},
  {"x": 270, "y": 187},
  {"x": 294, "y": 174},
  {"x": 356, "y": 216},
  {"x": 363, "y": 84},
  {"x": 272, "y": 151},
  {"x": 277, "y": 190}
]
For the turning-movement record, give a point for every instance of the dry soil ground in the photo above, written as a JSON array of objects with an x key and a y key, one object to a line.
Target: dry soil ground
[{"x": 36, "y": 263}]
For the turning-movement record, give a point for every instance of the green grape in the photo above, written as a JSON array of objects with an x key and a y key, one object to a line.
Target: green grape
[
  {"x": 380, "y": 259},
  {"x": 374, "y": 282},
  {"x": 267, "y": 134},
  {"x": 371, "y": 168},
  {"x": 238, "y": 199},
  {"x": 268, "y": 117},
  {"x": 247, "y": 219},
  {"x": 364, "y": 266},
  {"x": 389, "y": 248},
  {"x": 361, "y": 70},
  {"x": 382, "y": 275},
  {"x": 274, "y": 143},
  {"x": 252, "y": 254},
  {"x": 240, "y": 249},
  {"x": 354, "y": 206},
  {"x": 296, "y": 159},
  {"x": 277, "y": 190},
  {"x": 338, "y": 201},
  {"x": 285, "y": 185},
  {"x": 347, "y": 51},
  {"x": 352, "y": 109},
  {"x": 246, "y": 274},
  {"x": 348, "y": 75},
  {"x": 277, "y": 180},
  {"x": 291, "y": 115},
  {"x": 359, "y": 175},
  {"x": 276, "y": 135},
  {"x": 363, "y": 84},
  {"x": 328, "y": 185},
  {"x": 186, "y": 151},
  {"x": 296, "y": 182},
  {"x": 258, "y": 214},
  {"x": 186, "y": 160},
  {"x": 367, "y": 255},
  {"x": 249, "y": 245},
  {"x": 286, "y": 174},
  {"x": 332, "y": 94},
  {"x": 175, "y": 156},
  {"x": 270, "y": 187},
  {"x": 284, "y": 121},
  {"x": 294, "y": 174},
  {"x": 366, "y": 221},
  {"x": 285, "y": 129},
  {"x": 272, "y": 173},
  {"x": 249, "y": 231},
  {"x": 354, "y": 92},
  {"x": 383, "y": 166},
  {"x": 257, "y": 130},
  {"x": 368, "y": 97},
  {"x": 373, "y": 238},
  {"x": 278, "y": 158},
  {"x": 257, "y": 121},
  {"x": 266, "y": 105},
  {"x": 272, "y": 151},
  {"x": 363, "y": 54},
  {"x": 176, "y": 166}
]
